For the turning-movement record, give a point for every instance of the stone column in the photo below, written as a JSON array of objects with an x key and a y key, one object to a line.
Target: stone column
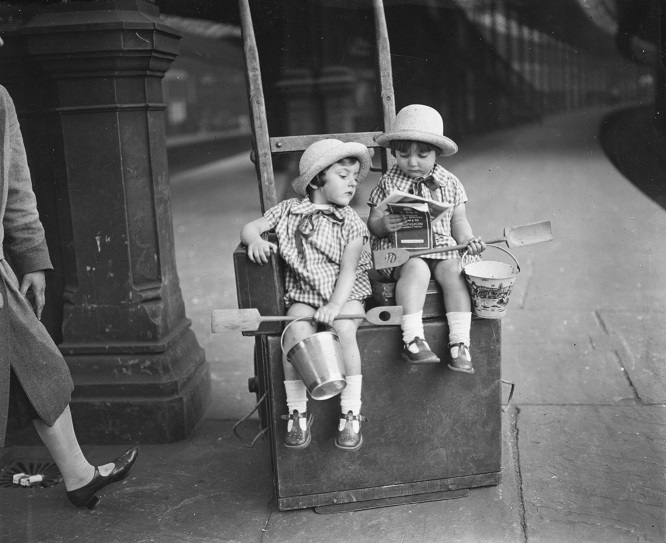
[{"x": 87, "y": 77}]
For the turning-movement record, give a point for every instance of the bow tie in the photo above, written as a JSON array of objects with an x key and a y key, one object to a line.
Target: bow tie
[
  {"x": 428, "y": 181},
  {"x": 306, "y": 225}
]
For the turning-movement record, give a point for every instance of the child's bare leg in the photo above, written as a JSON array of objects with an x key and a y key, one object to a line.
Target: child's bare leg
[
  {"x": 349, "y": 429},
  {"x": 346, "y": 329},
  {"x": 410, "y": 293},
  {"x": 298, "y": 331},
  {"x": 458, "y": 306},
  {"x": 448, "y": 274},
  {"x": 298, "y": 431},
  {"x": 412, "y": 285}
]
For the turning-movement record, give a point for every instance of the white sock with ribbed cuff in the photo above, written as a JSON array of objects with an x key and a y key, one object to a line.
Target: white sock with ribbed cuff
[
  {"x": 297, "y": 398},
  {"x": 412, "y": 326},
  {"x": 350, "y": 399},
  {"x": 460, "y": 323}
]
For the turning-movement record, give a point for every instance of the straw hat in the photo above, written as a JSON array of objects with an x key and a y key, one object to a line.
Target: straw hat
[
  {"x": 321, "y": 154},
  {"x": 419, "y": 123}
]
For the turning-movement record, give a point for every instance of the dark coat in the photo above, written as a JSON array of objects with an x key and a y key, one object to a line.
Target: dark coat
[{"x": 25, "y": 345}]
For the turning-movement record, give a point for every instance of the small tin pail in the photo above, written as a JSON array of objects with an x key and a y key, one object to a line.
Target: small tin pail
[
  {"x": 318, "y": 361},
  {"x": 490, "y": 285}
]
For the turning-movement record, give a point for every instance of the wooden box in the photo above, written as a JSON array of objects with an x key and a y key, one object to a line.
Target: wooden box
[
  {"x": 383, "y": 293},
  {"x": 260, "y": 287},
  {"x": 430, "y": 429}
]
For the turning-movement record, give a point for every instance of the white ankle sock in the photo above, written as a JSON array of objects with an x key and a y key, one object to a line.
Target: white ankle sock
[
  {"x": 412, "y": 326},
  {"x": 297, "y": 397},
  {"x": 350, "y": 397},
  {"x": 61, "y": 442},
  {"x": 459, "y": 326}
]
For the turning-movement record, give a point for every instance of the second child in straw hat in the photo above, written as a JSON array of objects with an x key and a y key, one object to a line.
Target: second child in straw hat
[
  {"x": 416, "y": 139},
  {"x": 321, "y": 239}
]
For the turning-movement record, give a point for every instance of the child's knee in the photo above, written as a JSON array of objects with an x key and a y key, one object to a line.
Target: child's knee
[
  {"x": 416, "y": 271},
  {"x": 448, "y": 269},
  {"x": 346, "y": 330}
]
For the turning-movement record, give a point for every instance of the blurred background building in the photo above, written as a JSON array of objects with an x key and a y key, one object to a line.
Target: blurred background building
[{"x": 485, "y": 64}]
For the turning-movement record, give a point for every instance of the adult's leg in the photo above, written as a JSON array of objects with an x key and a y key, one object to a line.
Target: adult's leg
[{"x": 60, "y": 439}]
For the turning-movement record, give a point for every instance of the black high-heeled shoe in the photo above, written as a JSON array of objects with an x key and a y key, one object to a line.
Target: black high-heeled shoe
[{"x": 86, "y": 495}]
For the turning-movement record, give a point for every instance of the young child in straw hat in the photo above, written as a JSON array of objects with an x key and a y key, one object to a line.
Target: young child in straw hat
[
  {"x": 321, "y": 239},
  {"x": 416, "y": 139}
]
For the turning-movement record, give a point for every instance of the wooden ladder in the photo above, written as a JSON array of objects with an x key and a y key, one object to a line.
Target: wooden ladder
[{"x": 264, "y": 146}]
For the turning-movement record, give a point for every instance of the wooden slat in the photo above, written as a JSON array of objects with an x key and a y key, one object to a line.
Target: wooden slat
[
  {"x": 290, "y": 144},
  {"x": 385, "y": 73},
  {"x": 262, "y": 151}
]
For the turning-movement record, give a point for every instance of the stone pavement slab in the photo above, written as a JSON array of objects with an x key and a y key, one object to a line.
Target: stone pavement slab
[
  {"x": 593, "y": 473},
  {"x": 640, "y": 342},
  {"x": 526, "y": 326},
  {"x": 562, "y": 357},
  {"x": 565, "y": 373}
]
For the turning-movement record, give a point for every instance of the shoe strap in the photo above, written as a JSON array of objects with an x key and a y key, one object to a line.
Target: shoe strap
[
  {"x": 359, "y": 418},
  {"x": 290, "y": 416}
]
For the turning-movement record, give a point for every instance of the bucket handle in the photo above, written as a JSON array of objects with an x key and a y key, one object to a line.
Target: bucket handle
[
  {"x": 288, "y": 325},
  {"x": 501, "y": 249},
  {"x": 261, "y": 433},
  {"x": 508, "y": 402}
]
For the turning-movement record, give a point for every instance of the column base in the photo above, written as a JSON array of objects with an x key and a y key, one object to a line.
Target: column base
[{"x": 142, "y": 397}]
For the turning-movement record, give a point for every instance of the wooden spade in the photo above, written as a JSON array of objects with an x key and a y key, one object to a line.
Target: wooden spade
[
  {"x": 514, "y": 236},
  {"x": 248, "y": 320}
]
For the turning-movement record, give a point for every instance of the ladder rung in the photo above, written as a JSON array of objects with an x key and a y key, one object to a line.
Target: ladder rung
[{"x": 290, "y": 144}]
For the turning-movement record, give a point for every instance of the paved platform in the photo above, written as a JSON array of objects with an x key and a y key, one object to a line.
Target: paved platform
[{"x": 584, "y": 441}]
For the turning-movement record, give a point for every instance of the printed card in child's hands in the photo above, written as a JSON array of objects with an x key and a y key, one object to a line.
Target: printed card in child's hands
[
  {"x": 416, "y": 232},
  {"x": 436, "y": 209},
  {"x": 419, "y": 213}
]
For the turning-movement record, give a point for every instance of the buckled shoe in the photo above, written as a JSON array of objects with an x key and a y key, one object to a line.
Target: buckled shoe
[
  {"x": 298, "y": 430},
  {"x": 462, "y": 362},
  {"x": 349, "y": 436},
  {"x": 418, "y": 351},
  {"x": 86, "y": 496}
]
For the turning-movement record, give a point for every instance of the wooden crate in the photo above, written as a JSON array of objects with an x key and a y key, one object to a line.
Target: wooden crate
[
  {"x": 430, "y": 429},
  {"x": 260, "y": 287},
  {"x": 383, "y": 293}
]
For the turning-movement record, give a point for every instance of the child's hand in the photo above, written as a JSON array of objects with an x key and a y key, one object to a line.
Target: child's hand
[
  {"x": 327, "y": 313},
  {"x": 475, "y": 246},
  {"x": 393, "y": 222},
  {"x": 260, "y": 251}
]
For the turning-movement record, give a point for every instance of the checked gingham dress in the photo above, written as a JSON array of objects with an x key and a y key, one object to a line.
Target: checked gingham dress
[
  {"x": 450, "y": 191},
  {"x": 311, "y": 242}
]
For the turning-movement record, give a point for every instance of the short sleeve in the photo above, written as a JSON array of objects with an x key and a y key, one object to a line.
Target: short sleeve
[
  {"x": 460, "y": 194},
  {"x": 275, "y": 213},
  {"x": 355, "y": 228},
  {"x": 378, "y": 193}
]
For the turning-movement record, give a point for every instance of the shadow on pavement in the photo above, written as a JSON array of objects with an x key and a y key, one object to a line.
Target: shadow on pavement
[{"x": 631, "y": 140}]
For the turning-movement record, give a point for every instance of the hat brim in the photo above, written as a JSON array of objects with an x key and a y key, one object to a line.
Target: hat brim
[
  {"x": 448, "y": 146},
  {"x": 331, "y": 156}
]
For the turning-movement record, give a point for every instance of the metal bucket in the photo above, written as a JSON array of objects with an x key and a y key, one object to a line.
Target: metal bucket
[
  {"x": 318, "y": 361},
  {"x": 490, "y": 285}
]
